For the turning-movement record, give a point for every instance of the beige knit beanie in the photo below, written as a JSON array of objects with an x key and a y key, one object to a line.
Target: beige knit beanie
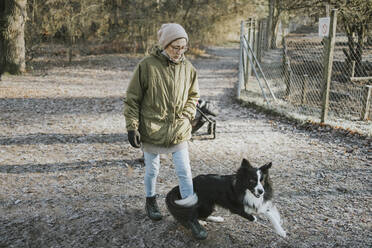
[{"x": 170, "y": 32}]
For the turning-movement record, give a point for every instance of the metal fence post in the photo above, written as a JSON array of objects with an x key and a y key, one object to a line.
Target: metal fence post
[
  {"x": 248, "y": 71},
  {"x": 287, "y": 70},
  {"x": 255, "y": 38},
  {"x": 251, "y": 42},
  {"x": 260, "y": 39},
  {"x": 241, "y": 69},
  {"x": 328, "y": 62}
]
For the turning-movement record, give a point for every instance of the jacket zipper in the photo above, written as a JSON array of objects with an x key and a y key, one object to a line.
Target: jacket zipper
[{"x": 172, "y": 107}]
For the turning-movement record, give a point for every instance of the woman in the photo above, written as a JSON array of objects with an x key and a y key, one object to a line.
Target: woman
[{"x": 159, "y": 106}]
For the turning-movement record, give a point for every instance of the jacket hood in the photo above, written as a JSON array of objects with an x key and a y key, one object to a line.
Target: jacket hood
[{"x": 157, "y": 52}]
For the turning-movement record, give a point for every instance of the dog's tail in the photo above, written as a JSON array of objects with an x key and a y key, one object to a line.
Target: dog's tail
[{"x": 184, "y": 212}]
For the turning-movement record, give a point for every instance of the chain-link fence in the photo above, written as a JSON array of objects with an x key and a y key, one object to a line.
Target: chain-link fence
[{"x": 292, "y": 78}]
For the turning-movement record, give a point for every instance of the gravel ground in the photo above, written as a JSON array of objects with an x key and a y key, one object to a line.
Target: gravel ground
[{"x": 69, "y": 178}]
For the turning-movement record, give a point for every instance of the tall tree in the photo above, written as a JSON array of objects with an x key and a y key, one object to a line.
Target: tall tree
[
  {"x": 271, "y": 24},
  {"x": 12, "y": 39},
  {"x": 278, "y": 7},
  {"x": 356, "y": 18}
]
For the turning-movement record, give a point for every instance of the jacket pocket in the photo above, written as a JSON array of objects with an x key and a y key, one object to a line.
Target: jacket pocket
[
  {"x": 154, "y": 127},
  {"x": 155, "y": 131}
]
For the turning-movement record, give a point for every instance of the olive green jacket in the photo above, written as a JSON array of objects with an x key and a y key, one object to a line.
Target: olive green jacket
[{"x": 161, "y": 100}]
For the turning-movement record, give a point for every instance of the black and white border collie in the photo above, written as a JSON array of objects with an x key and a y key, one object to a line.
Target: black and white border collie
[{"x": 246, "y": 193}]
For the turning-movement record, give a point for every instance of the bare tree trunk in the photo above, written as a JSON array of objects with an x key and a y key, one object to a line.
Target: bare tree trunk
[
  {"x": 2, "y": 43},
  {"x": 270, "y": 23},
  {"x": 191, "y": 3},
  {"x": 114, "y": 18},
  {"x": 355, "y": 51},
  {"x": 12, "y": 39},
  {"x": 274, "y": 27}
]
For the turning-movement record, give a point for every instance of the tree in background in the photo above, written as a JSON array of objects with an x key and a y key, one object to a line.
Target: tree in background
[
  {"x": 114, "y": 25},
  {"x": 129, "y": 25},
  {"x": 70, "y": 20},
  {"x": 13, "y": 16},
  {"x": 356, "y": 18},
  {"x": 279, "y": 7},
  {"x": 2, "y": 40}
]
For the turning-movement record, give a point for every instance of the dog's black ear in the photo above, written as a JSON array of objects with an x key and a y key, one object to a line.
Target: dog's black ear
[
  {"x": 245, "y": 163},
  {"x": 266, "y": 167}
]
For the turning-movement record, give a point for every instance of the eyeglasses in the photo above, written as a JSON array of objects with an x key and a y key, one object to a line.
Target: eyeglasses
[{"x": 179, "y": 49}]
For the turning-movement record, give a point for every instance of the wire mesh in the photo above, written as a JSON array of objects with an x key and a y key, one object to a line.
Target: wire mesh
[
  {"x": 346, "y": 98},
  {"x": 303, "y": 73},
  {"x": 293, "y": 72}
]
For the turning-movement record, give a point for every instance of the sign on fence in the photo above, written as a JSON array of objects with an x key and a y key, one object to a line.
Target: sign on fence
[{"x": 324, "y": 26}]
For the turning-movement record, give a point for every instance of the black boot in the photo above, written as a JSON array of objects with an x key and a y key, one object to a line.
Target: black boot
[
  {"x": 197, "y": 230},
  {"x": 152, "y": 208}
]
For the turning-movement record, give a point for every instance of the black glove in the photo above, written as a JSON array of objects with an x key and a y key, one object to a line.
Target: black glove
[{"x": 134, "y": 138}]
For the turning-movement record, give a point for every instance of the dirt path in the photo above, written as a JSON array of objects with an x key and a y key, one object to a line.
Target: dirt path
[{"x": 68, "y": 177}]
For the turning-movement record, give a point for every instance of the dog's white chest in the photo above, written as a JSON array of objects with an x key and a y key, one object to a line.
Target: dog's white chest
[{"x": 252, "y": 204}]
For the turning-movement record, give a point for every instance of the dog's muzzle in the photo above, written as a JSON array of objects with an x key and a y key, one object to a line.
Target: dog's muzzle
[{"x": 258, "y": 192}]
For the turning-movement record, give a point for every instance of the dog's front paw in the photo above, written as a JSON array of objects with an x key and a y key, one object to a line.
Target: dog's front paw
[
  {"x": 203, "y": 223},
  {"x": 217, "y": 219},
  {"x": 282, "y": 233}
]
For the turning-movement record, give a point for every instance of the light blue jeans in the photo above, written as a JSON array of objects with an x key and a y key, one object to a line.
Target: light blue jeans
[{"x": 183, "y": 170}]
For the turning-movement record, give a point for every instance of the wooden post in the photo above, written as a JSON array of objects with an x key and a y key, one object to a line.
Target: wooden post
[
  {"x": 329, "y": 43},
  {"x": 352, "y": 73},
  {"x": 304, "y": 88},
  {"x": 327, "y": 9},
  {"x": 366, "y": 102}
]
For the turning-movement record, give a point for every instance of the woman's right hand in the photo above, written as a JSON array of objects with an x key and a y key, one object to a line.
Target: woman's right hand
[{"x": 134, "y": 138}]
